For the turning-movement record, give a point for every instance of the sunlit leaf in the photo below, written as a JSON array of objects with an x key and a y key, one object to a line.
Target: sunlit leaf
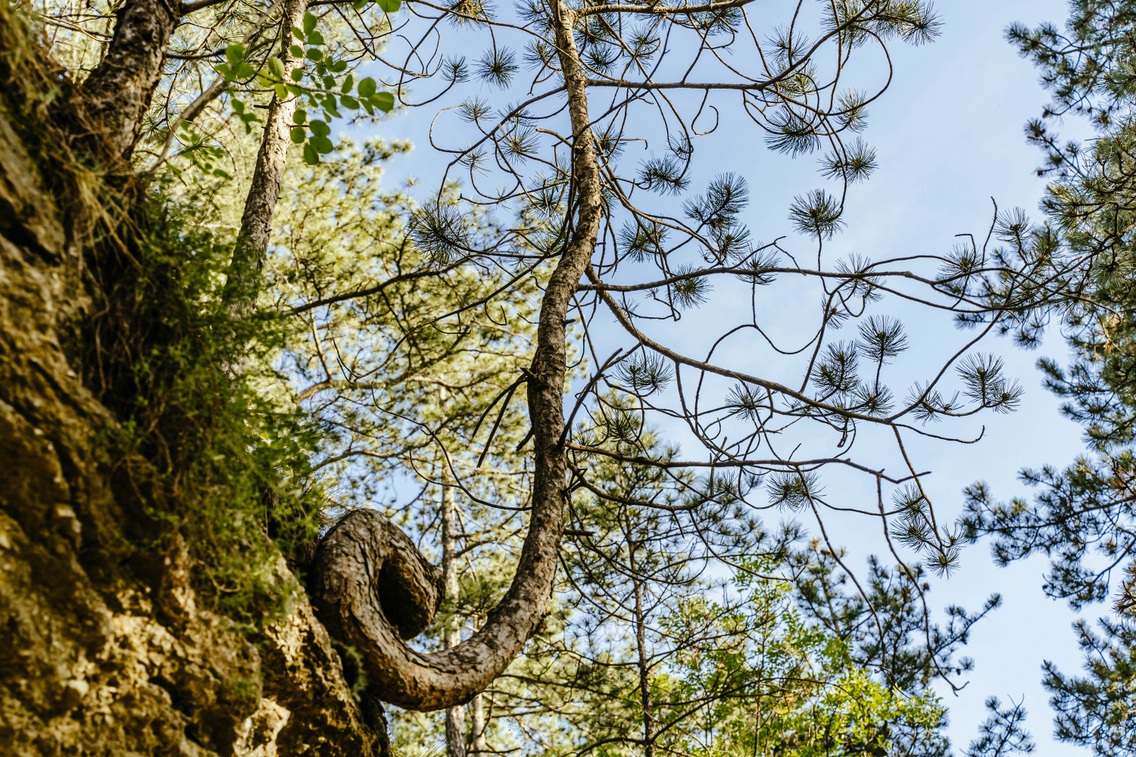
[{"x": 384, "y": 101}]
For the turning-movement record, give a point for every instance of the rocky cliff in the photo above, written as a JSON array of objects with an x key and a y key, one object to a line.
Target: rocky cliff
[{"x": 105, "y": 646}]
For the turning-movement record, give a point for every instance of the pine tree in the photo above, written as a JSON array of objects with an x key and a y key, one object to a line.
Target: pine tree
[
  {"x": 1082, "y": 515},
  {"x": 652, "y": 649},
  {"x": 597, "y": 233}
]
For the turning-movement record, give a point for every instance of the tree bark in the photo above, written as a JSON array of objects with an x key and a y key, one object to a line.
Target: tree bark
[
  {"x": 478, "y": 747},
  {"x": 242, "y": 284},
  {"x": 443, "y": 679},
  {"x": 119, "y": 90},
  {"x": 455, "y": 716}
]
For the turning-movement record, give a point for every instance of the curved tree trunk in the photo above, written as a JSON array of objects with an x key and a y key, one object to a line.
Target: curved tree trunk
[
  {"x": 452, "y": 677},
  {"x": 369, "y": 583}
]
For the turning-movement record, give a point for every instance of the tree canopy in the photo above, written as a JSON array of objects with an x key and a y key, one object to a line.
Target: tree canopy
[
  {"x": 537, "y": 349},
  {"x": 1081, "y": 516}
]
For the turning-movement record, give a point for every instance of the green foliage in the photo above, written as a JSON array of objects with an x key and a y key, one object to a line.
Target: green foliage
[
  {"x": 1098, "y": 710},
  {"x": 318, "y": 77},
  {"x": 817, "y": 214},
  {"x": 1088, "y": 206},
  {"x": 638, "y": 641},
  {"x": 1002, "y": 733},
  {"x": 794, "y": 684},
  {"x": 401, "y": 354},
  {"x": 231, "y": 465},
  {"x": 1082, "y": 516},
  {"x": 204, "y": 154}
]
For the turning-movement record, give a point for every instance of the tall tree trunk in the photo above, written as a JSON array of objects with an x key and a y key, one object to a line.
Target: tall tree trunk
[
  {"x": 243, "y": 283},
  {"x": 353, "y": 550},
  {"x": 455, "y": 716},
  {"x": 642, "y": 658},
  {"x": 478, "y": 747}
]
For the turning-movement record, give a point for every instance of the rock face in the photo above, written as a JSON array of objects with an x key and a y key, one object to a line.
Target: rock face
[{"x": 105, "y": 650}]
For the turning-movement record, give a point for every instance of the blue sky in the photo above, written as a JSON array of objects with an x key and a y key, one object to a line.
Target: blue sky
[{"x": 949, "y": 138}]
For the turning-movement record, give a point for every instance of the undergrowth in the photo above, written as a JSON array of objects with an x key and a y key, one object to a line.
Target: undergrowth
[
  {"x": 207, "y": 457},
  {"x": 231, "y": 463}
]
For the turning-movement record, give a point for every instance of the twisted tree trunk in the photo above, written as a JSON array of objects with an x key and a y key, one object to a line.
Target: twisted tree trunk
[
  {"x": 372, "y": 587},
  {"x": 353, "y": 556}
]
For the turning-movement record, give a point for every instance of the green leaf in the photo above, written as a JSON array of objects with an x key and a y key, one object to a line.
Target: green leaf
[
  {"x": 329, "y": 82},
  {"x": 297, "y": 74},
  {"x": 300, "y": 116},
  {"x": 281, "y": 91},
  {"x": 309, "y": 23},
  {"x": 315, "y": 38},
  {"x": 296, "y": 90},
  {"x": 235, "y": 54},
  {"x": 298, "y": 33},
  {"x": 320, "y": 128},
  {"x": 224, "y": 71},
  {"x": 360, "y": 4},
  {"x": 311, "y": 157},
  {"x": 390, "y": 6},
  {"x": 367, "y": 87},
  {"x": 313, "y": 54},
  {"x": 347, "y": 84},
  {"x": 321, "y": 145},
  {"x": 368, "y": 107},
  {"x": 330, "y": 107},
  {"x": 349, "y": 102},
  {"x": 338, "y": 66},
  {"x": 299, "y": 135},
  {"x": 296, "y": 51},
  {"x": 276, "y": 67},
  {"x": 245, "y": 71},
  {"x": 238, "y": 107},
  {"x": 384, "y": 101}
]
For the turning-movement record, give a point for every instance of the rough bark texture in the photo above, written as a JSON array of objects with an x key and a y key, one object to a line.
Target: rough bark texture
[
  {"x": 242, "y": 286},
  {"x": 118, "y": 92},
  {"x": 106, "y": 649}
]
